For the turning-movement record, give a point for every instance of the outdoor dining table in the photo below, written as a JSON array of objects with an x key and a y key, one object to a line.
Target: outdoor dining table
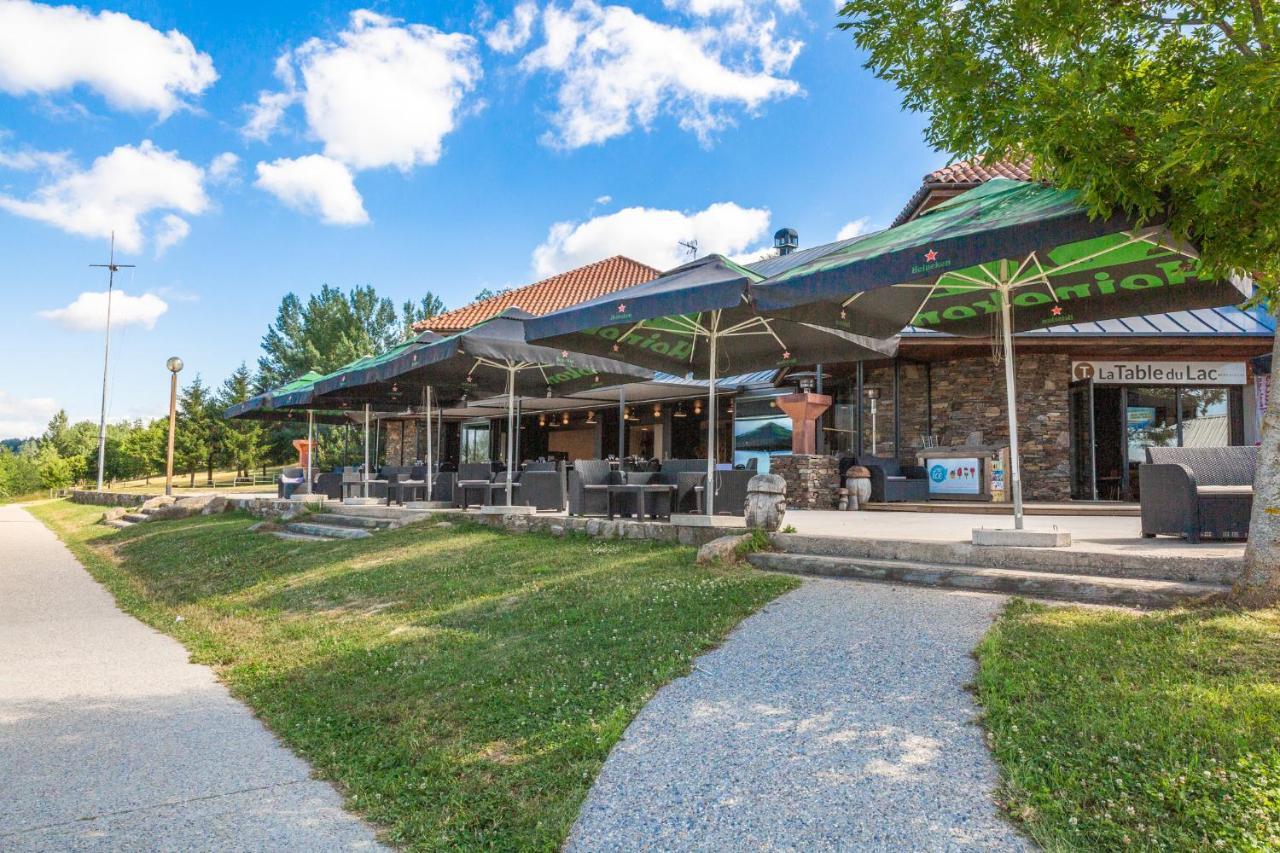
[
  {"x": 411, "y": 486},
  {"x": 362, "y": 485},
  {"x": 651, "y": 499}
]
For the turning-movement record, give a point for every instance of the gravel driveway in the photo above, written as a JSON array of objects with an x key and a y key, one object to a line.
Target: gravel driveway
[{"x": 835, "y": 719}]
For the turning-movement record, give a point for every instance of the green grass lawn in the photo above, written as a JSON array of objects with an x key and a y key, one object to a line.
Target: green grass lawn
[
  {"x": 462, "y": 686},
  {"x": 1156, "y": 732}
]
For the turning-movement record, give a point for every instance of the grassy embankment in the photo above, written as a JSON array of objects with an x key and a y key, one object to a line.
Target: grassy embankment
[
  {"x": 461, "y": 685},
  {"x": 1121, "y": 730}
]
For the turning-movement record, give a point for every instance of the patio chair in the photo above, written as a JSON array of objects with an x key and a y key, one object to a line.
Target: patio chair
[
  {"x": 291, "y": 480},
  {"x": 497, "y": 492},
  {"x": 731, "y": 492},
  {"x": 1197, "y": 492},
  {"x": 589, "y": 487},
  {"x": 473, "y": 478},
  {"x": 686, "y": 475},
  {"x": 329, "y": 484},
  {"x": 544, "y": 486},
  {"x": 893, "y": 481},
  {"x": 414, "y": 484}
]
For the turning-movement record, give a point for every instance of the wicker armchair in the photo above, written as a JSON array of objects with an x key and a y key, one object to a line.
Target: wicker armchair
[
  {"x": 1197, "y": 492},
  {"x": 473, "y": 479},
  {"x": 544, "y": 486},
  {"x": 588, "y": 484}
]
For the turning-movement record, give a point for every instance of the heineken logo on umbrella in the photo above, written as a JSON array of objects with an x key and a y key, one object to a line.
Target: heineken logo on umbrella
[{"x": 931, "y": 262}]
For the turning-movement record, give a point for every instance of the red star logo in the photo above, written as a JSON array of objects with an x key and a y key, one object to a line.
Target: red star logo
[
  {"x": 615, "y": 347},
  {"x": 786, "y": 354},
  {"x": 1056, "y": 311},
  {"x": 930, "y": 256},
  {"x": 564, "y": 353},
  {"x": 622, "y": 307},
  {"x": 843, "y": 315}
]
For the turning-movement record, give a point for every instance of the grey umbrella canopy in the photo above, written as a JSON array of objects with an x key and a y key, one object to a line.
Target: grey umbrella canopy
[
  {"x": 696, "y": 320},
  {"x": 493, "y": 356},
  {"x": 1003, "y": 258}
]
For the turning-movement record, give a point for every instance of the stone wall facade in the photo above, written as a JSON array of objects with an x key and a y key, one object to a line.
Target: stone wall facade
[{"x": 811, "y": 480}]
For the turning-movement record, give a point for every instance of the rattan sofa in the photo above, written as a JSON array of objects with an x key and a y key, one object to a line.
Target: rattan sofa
[{"x": 1197, "y": 492}]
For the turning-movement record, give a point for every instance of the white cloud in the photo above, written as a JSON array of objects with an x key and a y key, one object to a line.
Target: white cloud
[
  {"x": 649, "y": 235},
  {"x": 510, "y": 35},
  {"x": 314, "y": 185},
  {"x": 856, "y": 228},
  {"x": 25, "y": 417},
  {"x": 31, "y": 160},
  {"x": 383, "y": 93},
  {"x": 224, "y": 168},
  {"x": 49, "y": 49},
  {"x": 603, "y": 199},
  {"x": 88, "y": 313},
  {"x": 172, "y": 231},
  {"x": 116, "y": 193},
  {"x": 619, "y": 70}
]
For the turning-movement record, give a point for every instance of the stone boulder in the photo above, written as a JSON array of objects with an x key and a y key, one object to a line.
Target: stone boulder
[
  {"x": 722, "y": 549},
  {"x": 190, "y": 506},
  {"x": 766, "y": 501},
  {"x": 114, "y": 514},
  {"x": 158, "y": 502}
]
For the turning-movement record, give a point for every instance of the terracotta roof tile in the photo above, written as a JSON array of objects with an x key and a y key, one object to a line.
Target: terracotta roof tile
[
  {"x": 963, "y": 175},
  {"x": 550, "y": 294}
]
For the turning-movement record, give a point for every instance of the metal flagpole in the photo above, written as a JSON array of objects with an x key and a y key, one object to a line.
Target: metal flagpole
[
  {"x": 111, "y": 266},
  {"x": 710, "y": 488},
  {"x": 1006, "y": 331},
  {"x": 511, "y": 436}
]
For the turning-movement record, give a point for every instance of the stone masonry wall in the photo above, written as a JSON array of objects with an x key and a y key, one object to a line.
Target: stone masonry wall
[
  {"x": 811, "y": 480},
  {"x": 969, "y": 396}
]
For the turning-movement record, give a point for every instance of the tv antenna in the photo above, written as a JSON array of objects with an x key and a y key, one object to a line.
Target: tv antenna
[
  {"x": 112, "y": 267},
  {"x": 690, "y": 247}
]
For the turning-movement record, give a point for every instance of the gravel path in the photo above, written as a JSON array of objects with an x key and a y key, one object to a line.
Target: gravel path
[
  {"x": 835, "y": 719},
  {"x": 111, "y": 739}
]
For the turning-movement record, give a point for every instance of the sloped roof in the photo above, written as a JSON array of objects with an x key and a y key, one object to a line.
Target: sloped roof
[
  {"x": 550, "y": 294},
  {"x": 962, "y": 175}
]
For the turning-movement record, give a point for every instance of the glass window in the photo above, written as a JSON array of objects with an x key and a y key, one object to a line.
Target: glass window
[
  {"x": 1151, "y": 420},
  {"x": 475, "y": 442},
  {"x": 760, "y": 439},
  {"x": 1206, "y": 421}
]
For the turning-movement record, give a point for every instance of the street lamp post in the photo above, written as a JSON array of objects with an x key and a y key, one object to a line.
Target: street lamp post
[
  {"x": 175, "y": 366},
  {"x": 873, "y": 394}
]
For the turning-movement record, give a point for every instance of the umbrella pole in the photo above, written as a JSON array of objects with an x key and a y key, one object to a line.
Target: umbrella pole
[
  {"x": 709, "y": 490},
  {"x": 431, "y": 475},
  {"x": 1006, "y": 331},
  {"x": 365, "y": 477},
  {"x": 511, "y": 436},
  {"x": 311, "y": 445}
]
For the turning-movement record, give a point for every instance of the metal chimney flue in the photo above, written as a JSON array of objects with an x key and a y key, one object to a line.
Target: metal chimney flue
[{"x": 786, "y": 240}]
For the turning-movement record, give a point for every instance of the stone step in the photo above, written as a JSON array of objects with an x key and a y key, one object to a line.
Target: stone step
[
  {"x": 136, "y": 517},
  {"x": 118, "y": 523},
  {"x": 345, "y": 520},
  {"x": 392, "y": 513},
  {"x": 329, "y": 531},
  {"x": 1125, "y": 592},
  {"x": 290, "y": 536},
  {"x": 1151, "y": 566}
]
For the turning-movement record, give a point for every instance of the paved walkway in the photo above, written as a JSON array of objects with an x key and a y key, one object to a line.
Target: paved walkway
[
  {"x": 836, "y": 719},
  {"x": 111, "y": 739}
]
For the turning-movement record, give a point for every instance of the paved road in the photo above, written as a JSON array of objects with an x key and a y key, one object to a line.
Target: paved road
[
  {"x": 835, "y": 719},
  {"x": 111, "y": 739}
]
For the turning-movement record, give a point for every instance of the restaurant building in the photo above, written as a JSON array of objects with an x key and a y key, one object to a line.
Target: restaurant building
[{"x": 1091, "y": 396}]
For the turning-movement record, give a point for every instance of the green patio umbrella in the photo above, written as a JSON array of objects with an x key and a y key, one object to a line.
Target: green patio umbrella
[
  {"x": 695, "y": 319},
  {"x": 1003, "y": 258}
]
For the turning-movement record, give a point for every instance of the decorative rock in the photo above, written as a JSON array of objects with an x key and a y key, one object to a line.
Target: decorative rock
[
  {"x": 444, "y": 525},
  {"x": 115, "y": 514},
  {"x": 766, "y": 501},
  {"x": 723, "y": 549},
  {"x": 158, "y": 502}
]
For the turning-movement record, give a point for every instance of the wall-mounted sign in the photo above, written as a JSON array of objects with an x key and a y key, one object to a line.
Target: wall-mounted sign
[
  {"x": 954, "y": 476},
  {"x": 1160, "y": 372}
]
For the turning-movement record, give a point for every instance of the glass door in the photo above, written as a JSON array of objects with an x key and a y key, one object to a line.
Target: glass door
[
  {"x": 1084, "y": 484},
  {"x": 1151, "y": 420},
  {"x": 475, "y": 442}
]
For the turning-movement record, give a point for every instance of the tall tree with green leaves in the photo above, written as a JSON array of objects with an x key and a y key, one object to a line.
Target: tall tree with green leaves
[
  {"x": 1166, "y": 111},
  {"x": 325, "y": 332},
  {"x": 194, "y": 439},
  {"x": 241, "y": 443},
  {"x": 425, "y": 308}
]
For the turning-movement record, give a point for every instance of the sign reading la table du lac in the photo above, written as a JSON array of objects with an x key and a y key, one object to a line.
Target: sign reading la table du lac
[{"x": 1160, "y": 372}]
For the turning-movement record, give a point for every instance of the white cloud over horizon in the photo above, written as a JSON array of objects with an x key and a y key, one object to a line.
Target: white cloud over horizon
[
  {"x": 116, "y": 193},
  {"x": 88, "y": 311},
  {"x": 315, "y": 185},
  {"x": 618, "y": 70},
  {"x": 649, "y": 235},
  {"x": 47, "y": 50},
  {"x": 25, "y": 417},
  {"x": 511, "y": 34}
]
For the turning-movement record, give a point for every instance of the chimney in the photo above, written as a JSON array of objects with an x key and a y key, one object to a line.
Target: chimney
[{"x": 786, "y": 240}]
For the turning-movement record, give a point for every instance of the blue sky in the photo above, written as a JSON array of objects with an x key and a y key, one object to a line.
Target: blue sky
[{"x": 413, "y": 146}]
